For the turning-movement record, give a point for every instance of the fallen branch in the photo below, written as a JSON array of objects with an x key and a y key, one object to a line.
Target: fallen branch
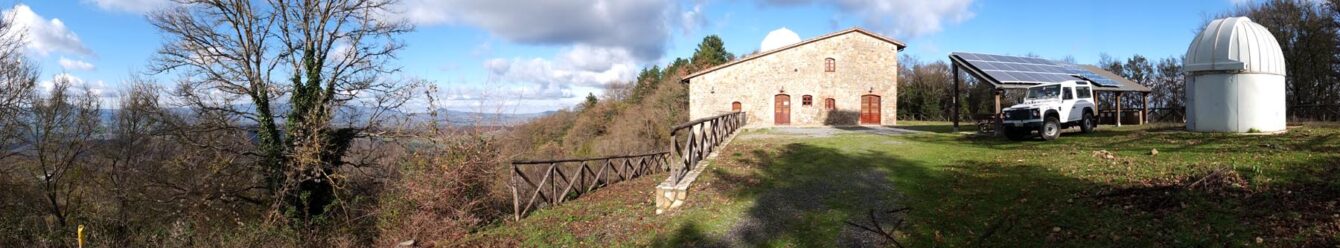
[
  {"x": 990, "y": 230},
  {"x": 1214, "y": 173},
  {"x": 879, "y": 229}
]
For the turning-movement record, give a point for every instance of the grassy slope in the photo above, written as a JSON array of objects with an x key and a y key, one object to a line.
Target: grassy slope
[{"x": 780, "y": 190}]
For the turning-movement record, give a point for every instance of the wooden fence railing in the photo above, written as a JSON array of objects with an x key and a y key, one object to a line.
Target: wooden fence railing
[
  {"x": 1166, "y": 115},
  {"x": 1322, "y": 112},
  {"x": 1318, "y": 112},
  {"x": 547, "y": 183},
  {"x": 701, "y": 137}
]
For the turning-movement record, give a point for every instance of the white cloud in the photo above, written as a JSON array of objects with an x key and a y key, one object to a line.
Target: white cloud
[
  {"x": 899, "y": 18},
  {"x": 45, "y": 37},
  {"x": 589, "y": 58},
  {"x": 510, "y": 91},
  {"x": 693, "y": 18},
  {"x": 512, "y": 98},
  {"x": 132, "y": 6},
  {"x": 642, "y": 27},
  {"x": 484, "y": 49},
  {"x": 78, "y": 86},
  {"x": 541, "y": 84},
  {"x": 342, "y": 49},
  {"x": 75, "y": 65},
  {"x": 576, "y": 66}
]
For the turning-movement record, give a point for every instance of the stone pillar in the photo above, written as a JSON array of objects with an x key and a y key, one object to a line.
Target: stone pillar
[{"x": 670, "y": 196}]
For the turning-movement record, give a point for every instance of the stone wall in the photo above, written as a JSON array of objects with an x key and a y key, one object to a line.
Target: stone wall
[{"x": 865, "y": 65}]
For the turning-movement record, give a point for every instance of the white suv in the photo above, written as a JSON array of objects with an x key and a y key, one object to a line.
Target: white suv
[{"x": 1048, "y": 108}]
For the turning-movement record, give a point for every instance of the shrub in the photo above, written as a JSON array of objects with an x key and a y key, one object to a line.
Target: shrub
[{"x": 443, "y": 191}]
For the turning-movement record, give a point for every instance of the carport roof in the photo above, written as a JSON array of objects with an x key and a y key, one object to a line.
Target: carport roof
[{"x": 1014, "y": 72}]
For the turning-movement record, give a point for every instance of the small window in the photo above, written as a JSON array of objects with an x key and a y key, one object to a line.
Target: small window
[
  {"x": 806, "y": 100},
  {"x": 830, "y": 104},
  {"x": 1083, "y": 92},
  {"x": 830, "y": 65},
  {"x": 1066, "y": 93},
  {"x": 735, "y": 107}
]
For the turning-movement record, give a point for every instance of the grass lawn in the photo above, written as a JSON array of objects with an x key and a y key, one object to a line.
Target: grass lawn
[{"x": 937, "y": 189}]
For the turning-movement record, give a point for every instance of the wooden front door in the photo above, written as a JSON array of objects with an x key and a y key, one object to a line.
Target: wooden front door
[
  {"x": 870, "y": 109},
  {"x": 781, "y": 113}
]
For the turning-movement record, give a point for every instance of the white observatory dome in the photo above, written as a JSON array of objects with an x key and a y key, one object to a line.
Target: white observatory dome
[
  {"x": 778, "y": 38},
  {"x": 1235, "y": 79}
]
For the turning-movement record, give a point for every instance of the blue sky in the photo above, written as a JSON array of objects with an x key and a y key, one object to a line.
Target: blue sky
[{"x": 530, "y": 56}]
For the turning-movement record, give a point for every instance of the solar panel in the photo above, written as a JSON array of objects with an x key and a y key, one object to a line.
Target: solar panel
[
  {"x": 1093, "y": 77},
  {"x": 1025, "y": 70}
]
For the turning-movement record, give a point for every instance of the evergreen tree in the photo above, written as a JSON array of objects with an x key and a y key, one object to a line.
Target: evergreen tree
[
  {"x": 646, "y": 82},
  {"x": 590, "y": 101},
  {"x": 711, "y": 52}
]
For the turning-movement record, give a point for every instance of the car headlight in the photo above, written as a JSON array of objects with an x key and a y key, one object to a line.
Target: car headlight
[{"x": 1036, "y": 114}]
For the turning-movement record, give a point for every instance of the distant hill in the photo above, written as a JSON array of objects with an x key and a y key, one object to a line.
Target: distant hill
[
  {"x": 465, "y": 118},
  {"x": 450, "y": 117}
]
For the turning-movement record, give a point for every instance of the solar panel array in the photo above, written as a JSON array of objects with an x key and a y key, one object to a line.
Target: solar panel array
[{"x": 1025, "y": 70}]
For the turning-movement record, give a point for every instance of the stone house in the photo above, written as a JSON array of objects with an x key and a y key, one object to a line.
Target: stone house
[{"x": 848, "y": 77}]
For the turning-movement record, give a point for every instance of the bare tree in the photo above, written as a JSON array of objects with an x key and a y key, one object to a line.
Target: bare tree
[
  {"x": 321, "y": 55},
  {"x": 128, "y": 151},
  {"x": 17, "y": 79},
  {"x": 58, "y": 133}
]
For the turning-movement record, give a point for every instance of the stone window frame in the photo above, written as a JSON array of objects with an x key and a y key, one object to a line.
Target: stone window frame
[
  {"x": 830, "y": 65},
  {"x": 806, "y": 100}
]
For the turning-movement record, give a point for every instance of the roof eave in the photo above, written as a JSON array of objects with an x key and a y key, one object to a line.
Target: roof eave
[{"x": 899, "y": 44}]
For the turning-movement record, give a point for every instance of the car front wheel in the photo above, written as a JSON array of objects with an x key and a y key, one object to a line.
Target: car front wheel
[{"x": 1051, "y": 128}]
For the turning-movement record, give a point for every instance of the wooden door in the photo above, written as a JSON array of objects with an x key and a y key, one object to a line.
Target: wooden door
[
  {"x": 735, "y": 107},
  {"x": 870, "y": 109},
  {"x": 781, "y": 113}
]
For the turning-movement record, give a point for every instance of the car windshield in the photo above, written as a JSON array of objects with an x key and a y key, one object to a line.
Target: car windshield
[{"x": 1044, "y": 92}]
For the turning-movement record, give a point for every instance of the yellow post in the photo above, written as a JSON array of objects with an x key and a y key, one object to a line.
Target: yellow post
[{"x": 81, "y": 236}]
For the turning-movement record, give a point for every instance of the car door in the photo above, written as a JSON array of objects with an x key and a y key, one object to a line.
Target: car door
[
  {"x": 1083, "y": 99},
  {"x": 1068, "y": 110}
]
